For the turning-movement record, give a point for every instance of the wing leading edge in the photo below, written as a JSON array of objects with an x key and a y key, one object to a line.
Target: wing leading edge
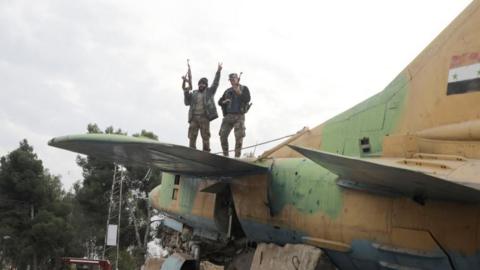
[
  {"x": 146, "y": 152},
  {"x": 372, "y": 175}
]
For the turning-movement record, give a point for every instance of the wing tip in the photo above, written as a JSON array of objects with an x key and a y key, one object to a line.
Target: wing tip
[
  {"x": 296, "y": 148},
  {"x": 56, "y": 141},
  {"x": 303, "y": 150}
]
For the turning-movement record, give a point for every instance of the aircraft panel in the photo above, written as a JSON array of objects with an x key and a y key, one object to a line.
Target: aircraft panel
[{"x": 405, "y": 182}]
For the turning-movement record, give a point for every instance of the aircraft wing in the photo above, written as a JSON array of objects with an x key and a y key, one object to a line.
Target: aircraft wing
[
  {"x": 389, "y": 178},
  {"x": 170, "y": 158}
]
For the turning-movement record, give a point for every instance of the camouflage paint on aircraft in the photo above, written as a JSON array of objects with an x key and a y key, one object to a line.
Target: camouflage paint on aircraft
[
  {"x": 163, "y": 192},
  {"x": 374, "y": 118},
  {"x": 309, "y": 188},
  {"x": 413, "y": 122}
]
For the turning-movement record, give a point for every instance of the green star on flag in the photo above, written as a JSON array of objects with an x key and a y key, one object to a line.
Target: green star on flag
[{"x": 455, "y": 76}]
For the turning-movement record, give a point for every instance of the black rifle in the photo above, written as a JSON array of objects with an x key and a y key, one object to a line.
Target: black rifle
[
  {"x": 187, "y": 79},
  {"x": 247, "y": 106},
  {"x": 230, "y": 97}
]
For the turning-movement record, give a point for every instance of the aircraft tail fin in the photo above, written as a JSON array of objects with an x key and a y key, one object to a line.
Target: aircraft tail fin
[
  {"x": 435, "y": 98},
  {"x": 444, "y": 79}
]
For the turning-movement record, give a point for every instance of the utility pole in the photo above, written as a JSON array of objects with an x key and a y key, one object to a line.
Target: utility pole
[
  {"x": 119, "y": 215},
  {"x": 112, "y": 235}
]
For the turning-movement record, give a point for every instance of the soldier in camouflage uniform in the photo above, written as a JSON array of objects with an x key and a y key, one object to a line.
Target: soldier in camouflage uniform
[
  {"x": 234, "y": 103},
  {"x": 202, "y": 109}
]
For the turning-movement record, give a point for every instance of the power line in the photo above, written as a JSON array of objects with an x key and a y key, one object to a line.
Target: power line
[{"x": 262, "y": 143}]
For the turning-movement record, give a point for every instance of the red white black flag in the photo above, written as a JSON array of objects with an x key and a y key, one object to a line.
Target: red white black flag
[{"x": 464, "y": 74}]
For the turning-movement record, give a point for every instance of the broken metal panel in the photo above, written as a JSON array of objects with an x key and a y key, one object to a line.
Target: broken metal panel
[
  {"x": 208, "y": 234},
  {"x": 202, "y": 227},
  {"x": 173, "y": 224},
  {"x": 178, "y": 261}
]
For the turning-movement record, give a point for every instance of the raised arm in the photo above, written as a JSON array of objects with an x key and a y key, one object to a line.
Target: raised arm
[{"x": 216, "y": 81}]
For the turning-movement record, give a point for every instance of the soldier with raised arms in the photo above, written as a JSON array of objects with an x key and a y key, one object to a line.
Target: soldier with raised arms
[{"x": 202, "y": 107}]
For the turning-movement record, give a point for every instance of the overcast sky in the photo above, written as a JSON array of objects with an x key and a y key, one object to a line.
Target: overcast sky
[{"x": 64, "y": 64}]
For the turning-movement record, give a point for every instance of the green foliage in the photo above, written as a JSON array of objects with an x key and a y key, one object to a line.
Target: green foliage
[
  {"x": 126, "y": 261},
  {"x": 41, "y": 220},
  {"x": 92, "y": 200},
  {"x": 91, "y": 195},
  {"x": 147, "y": 134},
  {"x": 21, "y": 176},
  {"x": 33, "y": 211},
  {"x": 50, "y": 234}
]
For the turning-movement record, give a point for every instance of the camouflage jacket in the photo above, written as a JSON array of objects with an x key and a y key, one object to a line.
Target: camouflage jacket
[
  {"x": 208, "y": 102},
  {"x": 244, "y": 99}
]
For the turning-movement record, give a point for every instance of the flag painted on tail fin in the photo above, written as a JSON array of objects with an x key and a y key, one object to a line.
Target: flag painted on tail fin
[{"x": 464, "y": 74}]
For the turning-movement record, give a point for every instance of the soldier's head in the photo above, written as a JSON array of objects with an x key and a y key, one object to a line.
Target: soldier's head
[
  {"x": 233, "y": 78},
  {"x": 202, "y": 84}
]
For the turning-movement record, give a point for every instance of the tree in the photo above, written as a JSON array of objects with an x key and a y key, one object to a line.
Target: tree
[
  {"x": 33, "y": 213},
  {"x": 92, "y": 200},
  {"x": 91, "y": 197},
  {"x": 141, "y": 181}
]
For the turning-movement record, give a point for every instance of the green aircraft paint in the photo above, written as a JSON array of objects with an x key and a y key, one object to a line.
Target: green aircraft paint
[
  {"x": 302, "y": 183},
  {"x": 165, "y": 190},
  {"x": 305, "y": 185},
  {"x": 373, "y": 119},
  {"x": 189, "y": 190},
  {"x": 98, "y": 138}
]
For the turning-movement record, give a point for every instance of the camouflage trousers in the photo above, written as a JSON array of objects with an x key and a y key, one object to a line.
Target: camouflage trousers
[
  {"x": 199, "y": 122},
  {"x": 237, "y": 122}
]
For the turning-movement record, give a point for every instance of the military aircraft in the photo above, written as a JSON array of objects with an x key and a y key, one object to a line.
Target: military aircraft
[{"x": 392, "y": 183}]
